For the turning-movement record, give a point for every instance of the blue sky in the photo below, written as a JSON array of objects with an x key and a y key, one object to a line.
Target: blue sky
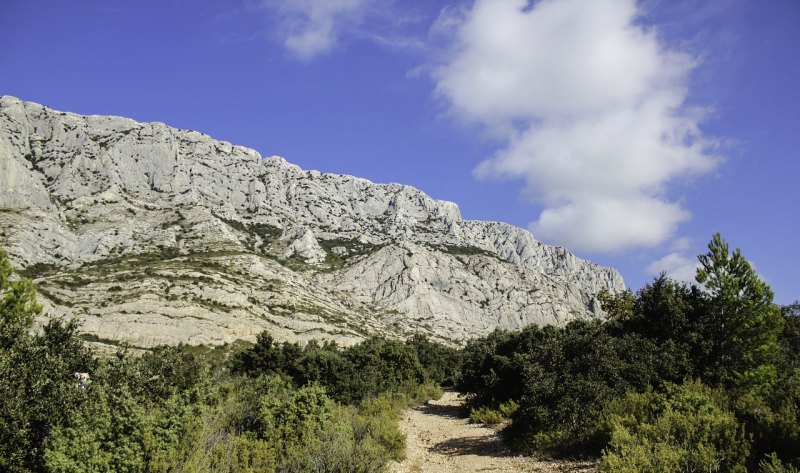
[{"x": 627, "y": 131}]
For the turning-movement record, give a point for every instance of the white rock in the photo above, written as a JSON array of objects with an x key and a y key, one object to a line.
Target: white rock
[
  {"x": 306, "y": 247},
  {"x": 89, "y": 194}
]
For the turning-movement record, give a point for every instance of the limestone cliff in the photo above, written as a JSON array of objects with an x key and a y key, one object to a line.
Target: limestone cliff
[{"x": 156, "y": 235}]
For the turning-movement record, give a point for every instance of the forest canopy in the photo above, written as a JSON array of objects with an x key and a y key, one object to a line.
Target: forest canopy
[{"x": 678, "y": 377}]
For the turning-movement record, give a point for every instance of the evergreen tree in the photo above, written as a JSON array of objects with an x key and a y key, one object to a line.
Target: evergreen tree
[
  {"x": 18, "y": 305},
  {"x": 742, "y": 323},
  {"x": 37, "y": 389}
]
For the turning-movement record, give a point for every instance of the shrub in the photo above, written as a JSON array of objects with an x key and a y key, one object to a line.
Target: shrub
[
  {"x": 349, "y": 375},
  {"x": 355, "y": 440},
  {"x": 425, "y": 391},
  {"x": 286, "y": 417},
  {"x": 773, "y": 424},
  {"x": 486, "y": 416},
  {"x": 440, "y": 363},
  {"x": 684, "y": 429},
  {"x": 568, "y": 375},
  {"x": 490, "y": 372},
  {"x": 266, "y": 357},
  {"x": 489, "y": 416},
  {"x": 379, "y": 366},
  {"x": 38, "y": 393}
]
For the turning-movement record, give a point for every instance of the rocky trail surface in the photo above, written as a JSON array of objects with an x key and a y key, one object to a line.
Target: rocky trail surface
[{"x": 440, "y": 440}]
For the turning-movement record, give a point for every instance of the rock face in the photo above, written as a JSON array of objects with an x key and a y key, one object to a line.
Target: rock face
[{"x": 155, "y": 235}]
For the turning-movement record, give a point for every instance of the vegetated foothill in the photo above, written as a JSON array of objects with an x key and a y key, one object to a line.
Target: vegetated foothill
[
  {"x": 283, "y": 408},
  {"x": 678, "y": 378}
]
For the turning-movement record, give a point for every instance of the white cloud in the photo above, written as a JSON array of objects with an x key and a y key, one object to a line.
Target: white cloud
[
  {"x": 681, "y": 244},
  {"x": 677, "y": 266},
  {"x": 607, "y": 224},
  {"x": 312, "y": 27},
  {"x": 591, "y": 107}
]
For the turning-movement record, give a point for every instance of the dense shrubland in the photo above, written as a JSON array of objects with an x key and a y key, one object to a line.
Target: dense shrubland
[
  {"x": 353, "y": 374},
  {"x": 679, "y": 378},
  {"x": 281, "y": 407}
]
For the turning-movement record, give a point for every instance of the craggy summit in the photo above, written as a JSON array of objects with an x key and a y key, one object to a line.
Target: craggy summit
[{"x": 155, "y": 235}]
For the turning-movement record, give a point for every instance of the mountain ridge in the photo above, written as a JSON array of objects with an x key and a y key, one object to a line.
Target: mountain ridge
[{"x": 110, "y": 198}]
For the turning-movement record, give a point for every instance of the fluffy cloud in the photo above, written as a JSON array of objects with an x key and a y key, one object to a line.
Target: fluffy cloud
[
  {"x": 677, "y": 266},
  {"x": 607, "y": 224},
  {"x": 312, "y": 27},
  {"x": 591, "y": 107}
]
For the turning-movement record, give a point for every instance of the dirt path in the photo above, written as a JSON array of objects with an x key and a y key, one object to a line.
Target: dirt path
[{"x": 440, "y": 441}]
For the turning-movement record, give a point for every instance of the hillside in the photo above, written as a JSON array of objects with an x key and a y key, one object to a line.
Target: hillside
[{"x": 153, "y": 235}]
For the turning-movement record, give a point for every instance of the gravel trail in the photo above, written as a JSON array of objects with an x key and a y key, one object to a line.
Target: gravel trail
[{"x": 439, "y": 440}]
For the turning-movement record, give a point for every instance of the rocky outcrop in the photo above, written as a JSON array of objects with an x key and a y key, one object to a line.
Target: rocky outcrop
[
  {"x": 156, "y": 235},
  {"x": 305, "y": 246}
]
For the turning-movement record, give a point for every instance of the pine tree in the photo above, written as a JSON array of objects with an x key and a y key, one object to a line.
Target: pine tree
[
  {"x": 742, "y": 323},
  {"x": 18, "y": 304}
]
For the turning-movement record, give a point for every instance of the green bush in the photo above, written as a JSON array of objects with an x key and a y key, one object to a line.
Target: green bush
[
  {"x": 379, "y": 366},
  {"x": 425, "y": 391},
  {"x": 440, "y": 363},
  {"x": 289, "y": 418},
  {"x": 38, "y": 393},
  {"x": 561, "y": 377},
  {"x": 490, "y": 369},
  {"x": 684, "y": 429},
  {"x": 116, "y": 431},
  {"x": 355, "y": 440},
  {"x": 565, "y": 378},
  {"x": 772, "y": 424},
  {"x": 107, "y": 435},
  {"x": 226, "y": 437},
  {"x": 488, "y": 416},
  {"x": 349, "y": 375},
  {"x": 150, "y": 414},
  {"x": 266, "y": 357}
]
